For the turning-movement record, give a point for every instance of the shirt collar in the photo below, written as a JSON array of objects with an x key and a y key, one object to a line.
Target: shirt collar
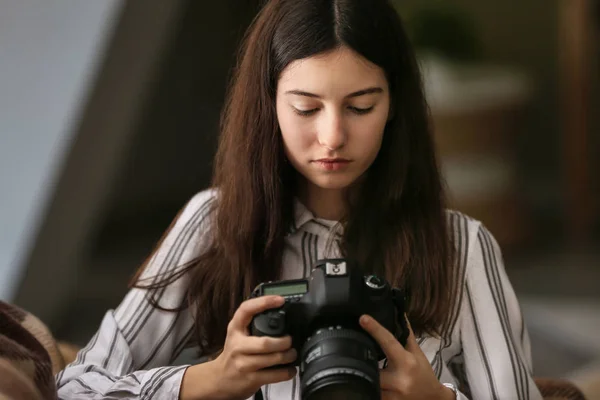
[{"x": 306, "y": 221}]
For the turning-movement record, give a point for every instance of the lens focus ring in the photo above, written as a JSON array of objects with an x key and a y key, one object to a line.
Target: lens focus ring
[{"x": 339, "y": 360}]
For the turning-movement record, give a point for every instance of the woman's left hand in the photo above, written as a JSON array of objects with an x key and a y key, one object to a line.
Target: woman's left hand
[{"x": 408, "y": 374}]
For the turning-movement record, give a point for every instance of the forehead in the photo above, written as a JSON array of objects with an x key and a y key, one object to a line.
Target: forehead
[{"x": 341, "y": 69}]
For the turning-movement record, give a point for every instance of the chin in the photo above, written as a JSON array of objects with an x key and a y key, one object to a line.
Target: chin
[{"x": 333, "y": 182}]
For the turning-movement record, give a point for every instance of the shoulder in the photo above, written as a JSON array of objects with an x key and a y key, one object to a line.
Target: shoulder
[
  {"x": 478, "y": 263},
  {"x": 463, "y": 230},
  {"x": 185, "y": 238},
  {"x": 202, "y": 202},
  {"x": 475, "y": 246},
  {"x": 196, "y": 212},
  {"x": 191, "y": 223}
]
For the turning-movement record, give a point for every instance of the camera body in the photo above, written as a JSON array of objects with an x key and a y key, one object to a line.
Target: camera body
[{"x": 333, "y": 298}]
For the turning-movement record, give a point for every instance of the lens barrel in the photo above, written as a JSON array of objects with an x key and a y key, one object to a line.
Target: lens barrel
[{"x": 339, "y": 363}]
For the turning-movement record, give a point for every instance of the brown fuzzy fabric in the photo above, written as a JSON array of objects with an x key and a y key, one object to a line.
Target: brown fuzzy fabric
[
  {"x": 26, "y": 369},
  {"x": 558, "y": 389}
]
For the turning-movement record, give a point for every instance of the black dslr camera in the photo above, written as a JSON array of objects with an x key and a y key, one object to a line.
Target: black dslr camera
[{"x": 335, "y": 355}]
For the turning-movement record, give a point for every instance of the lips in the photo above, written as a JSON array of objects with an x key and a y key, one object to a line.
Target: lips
[
  {"x": 332, "y": 164},
  {"x": 333, "y": 160}
]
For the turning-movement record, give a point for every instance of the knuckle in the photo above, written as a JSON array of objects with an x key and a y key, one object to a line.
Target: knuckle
[
  {"x": 239, "y": 364},
  {"x": 243, "y": 308},
  {"x": 230, "y": 327},
  {"x": 281, "y": 357},
  {"x": 398, "y": 387},
  {"x": 264, "y": 344},
  {"x": 235, "y": 347},
  {"x": 409, "y": 386},
  {"x": 411, "y": 363},
  {"x": 281, "y": 344}
]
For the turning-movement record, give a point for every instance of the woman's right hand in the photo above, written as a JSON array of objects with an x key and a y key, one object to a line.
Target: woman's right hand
[{"x": 240, "y": 370}]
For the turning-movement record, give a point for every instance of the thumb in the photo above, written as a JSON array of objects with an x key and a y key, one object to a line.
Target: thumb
[{"x": 411, "y": 342}]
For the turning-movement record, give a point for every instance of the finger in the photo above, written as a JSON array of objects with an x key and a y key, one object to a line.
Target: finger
[
  {"x": 411, "y": 342},
  {"x": 249, "y": 308},
  {"x": 257, "y": 362},
  {"x": 266, "y": 344},
  {"x": 386, "y": 340},
  {"x": 274, "y": 375}
]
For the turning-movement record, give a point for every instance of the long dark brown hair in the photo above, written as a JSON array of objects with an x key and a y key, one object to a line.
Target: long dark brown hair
[{"x": 397, "y": 224}]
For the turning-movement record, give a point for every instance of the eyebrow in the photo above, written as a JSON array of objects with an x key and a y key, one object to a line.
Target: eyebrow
[{"x": 362, "y": 92}]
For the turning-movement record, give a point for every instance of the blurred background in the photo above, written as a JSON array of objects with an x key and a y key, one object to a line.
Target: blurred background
[{"x": 108, "y": 121}]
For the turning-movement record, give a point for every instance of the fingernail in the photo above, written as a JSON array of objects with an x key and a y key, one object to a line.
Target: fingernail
[{"x": 365, "y": 320}]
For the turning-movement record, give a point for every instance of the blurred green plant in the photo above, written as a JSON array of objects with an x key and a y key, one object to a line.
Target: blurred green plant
[{"x": 441, "y": 28}]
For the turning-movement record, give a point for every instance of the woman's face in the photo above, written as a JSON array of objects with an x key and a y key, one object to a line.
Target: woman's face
[{"x": 332, "y": 110}]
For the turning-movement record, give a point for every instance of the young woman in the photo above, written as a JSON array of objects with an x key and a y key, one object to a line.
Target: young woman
[{"x": 325, "y": 150}]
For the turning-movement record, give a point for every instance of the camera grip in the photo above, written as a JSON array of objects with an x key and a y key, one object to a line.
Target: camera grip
[{"x": 270, "y": 323}]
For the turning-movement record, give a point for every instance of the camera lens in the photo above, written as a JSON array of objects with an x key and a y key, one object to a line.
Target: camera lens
[{"x": 339, "y": 363}]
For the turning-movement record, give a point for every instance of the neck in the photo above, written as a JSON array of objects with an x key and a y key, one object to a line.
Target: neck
[{"x": 330, "y": 204}]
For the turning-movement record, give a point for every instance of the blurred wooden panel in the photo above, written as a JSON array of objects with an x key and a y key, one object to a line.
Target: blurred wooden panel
[
  {"x": 575, "y": 61},
  {"x": 476, "y": 148}
]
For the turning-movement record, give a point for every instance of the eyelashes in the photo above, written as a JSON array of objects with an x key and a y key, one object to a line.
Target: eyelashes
[
  {"x": 305, "y": 113},
  {"x": 361, "y": 111},
  {"x": 355, "y": 110}
]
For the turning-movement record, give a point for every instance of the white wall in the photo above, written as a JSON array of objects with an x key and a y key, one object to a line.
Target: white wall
[{"x": 48, "y": 56}]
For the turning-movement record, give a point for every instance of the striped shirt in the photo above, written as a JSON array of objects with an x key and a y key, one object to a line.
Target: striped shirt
[{"x": 486, "y": 351}]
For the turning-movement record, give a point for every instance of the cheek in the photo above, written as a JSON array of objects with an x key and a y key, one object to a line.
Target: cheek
[
  {"x": 370, "y": 135},
  {"x": 296, "y": 135}
]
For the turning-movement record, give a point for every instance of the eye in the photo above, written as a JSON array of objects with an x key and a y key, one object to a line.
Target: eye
[
  {"x": 360, "y": 111},
  {"x": 305, "y": 113}
]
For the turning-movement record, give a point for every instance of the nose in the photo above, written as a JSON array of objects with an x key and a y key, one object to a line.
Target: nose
[{"x": 332, "y": 134}]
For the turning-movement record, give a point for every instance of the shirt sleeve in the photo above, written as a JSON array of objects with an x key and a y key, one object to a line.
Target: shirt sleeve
[
  {"x": 129, "y": 356},
  {"x": 494, "y": 338}
]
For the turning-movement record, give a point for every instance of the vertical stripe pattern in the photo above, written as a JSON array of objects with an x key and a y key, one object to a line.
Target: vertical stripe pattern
[{"x": 484, "y": 350}]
